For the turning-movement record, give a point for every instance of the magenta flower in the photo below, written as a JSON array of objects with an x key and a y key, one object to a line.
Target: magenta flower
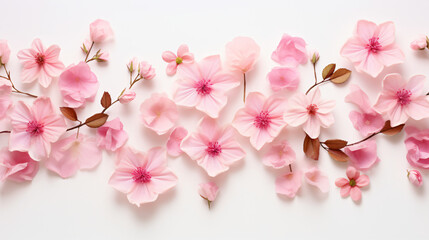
[
  {"x": 291, "y": 51},
  {"x": 373, "y": 47},
  {"x": 183, "y": 56},
  {"x": 202, "y": 85},
  {"x": 316, "y": 178},
  {"x": 208, "y": 191},
  {"x": 34, "y": 129},
  {"x": 363, "y": 155},
  {"x": 174, "y": 140},
  {"x": 289, "y": 184},
  {"x": 353, "y": 184},
  {"x": 279, "y": 155},
  {"x": 213, "y": 148},
  {"x": 112, "y": 136},
  {"x": 5, "y": 101},
  {"x": 401, "y": 99},
  {"x": 415, "y": 177},
  {"x": 17, "y": 166},
  {"x": 159, "y": 113},
  {"x": 283, "y": 78},
  {"x": 143, "y": 176},
  {"x": 4, "y": 52},
  {"x": 100, "y": 31},
  {"x": 241, "y": 54},
  {"x": 417, "y": 144},
  {"x": 40, "y": 63}
]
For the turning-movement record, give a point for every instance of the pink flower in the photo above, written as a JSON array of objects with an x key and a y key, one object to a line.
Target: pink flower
[
  {"x": 290, "y": 51},
  {"x": 78, "y": 84},
  {"x": 143, "y": 176},
  {"x": 133, "y": 65},
  {"x": 310, "y": 111},
  {"x": 40, "y": 63},
  {"x": 146, "y": 71},
  {"x": 70, "y": 154},
  {"x": 241, "y": 54},
  {"x": 203, "y": 86},
  {"x": 289, "y": 184},
  {"x": 283, "y": 78},
  {"x": 363, "y": 155},
  {"x": 4, "y": 52},
  {"x": 279, "y": 155},
  {"x": 128, "y": 96},
  {"x": 174, "y": 141},
  {"x": 261, "y": 119},
  {"x": 214, "y": 148},
  {"x": 34, "y": 129},
  {"x": 159, "y": 113},
  {"x": 420, "y": 43},
  {"x": 5, "y": 101},
  {"x": 111, "y": 136},
  {"x": 367, "y": 120},
  {"x": 373, "y": 47},
  {"x": 415, "y": 177},
  {"x": 183, "y": 56},
  {"x": 316, "y": 178},
  {"x": 353, "y": 184},
  {"x": 17, "y": 166},
  {"x": 417, "y": 144},
  {"x": 100, "y": 31},
  {"x": 208, "y": 191},
  {"x": 401, "y": 99}
]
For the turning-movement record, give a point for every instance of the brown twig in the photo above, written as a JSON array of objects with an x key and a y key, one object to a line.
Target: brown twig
[{"x": 15, "y": 90}]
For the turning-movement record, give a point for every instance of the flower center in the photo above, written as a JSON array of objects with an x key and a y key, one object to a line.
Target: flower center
[
  {"x": 203, "y": 87},
  {"x": 179, "y": 60},
  {"x": 373, "y": 45},
  {"x": 403, "y": 96},
  {"x": 263, "y": 120},
  {"x": 312, "y": 109},
  {"x": 34, "y": 128},
  {"x": 213, "y": 149},
  {"x": 40, "y": 58},
  {"x": 140, "y": 175},
  {"x": 352, "y": 183}
]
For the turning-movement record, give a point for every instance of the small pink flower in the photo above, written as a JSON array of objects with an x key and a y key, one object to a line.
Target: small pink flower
[
  {"x": 208, "y": 191},
  {"x": 214, "y": 148},
  {"x": 310, "y": 111},
  {"x": 133, "y": 65},
  {"x": 183, "y": 56},
  {"x": 283, "y": 78},
  {"x": 34, "y": 129},
  {"x": 367, "y": 120},
  {"x": 40, "y": 63},
  {"x": 174, "y": 141},
  {"x": 363, "y": 155},
  {"x": 70, "y": 154},
  {"x": 415, "y": 177},
  {"x": 4, "y": 52},
  {"x": 143, "y": 176},
  {"x": 279, "y": 155},
  {"x": 417, "y": 144},
  {"x": 402, "y": 99},
  {"x": 17, "y": 166},
  {"x": 159, "y": 113},
  {"x": 128, "y": 96},
  {"x": 146, "y": 71},
  {"x": 111, "y": 136},
  {"x": 241, "y": 54},
  {"x": 261, "y": 119},
  {"x": 315, "y": 177},
  {"x": 5, "y": 101},
  {"x": 100, "y": 31},
  {"x": 420, "y": 43},
  {"x": 289, "y": 184},
  {"x": 202, "y": 85},
  {"x": 290, "y": 51},
  {"x": 353, "y": 184},
  {"x": 373, "y": 47},
  {"x": 78, "y": 84}
]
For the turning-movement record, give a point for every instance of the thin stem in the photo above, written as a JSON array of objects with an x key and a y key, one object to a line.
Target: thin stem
[
  {"x": 131, "y": 78},
  {"x": 290, "y": 167},
  {"x": 89, "y": 51},
  {"x": 244, "y": 87},
  {"x": 4, "y": 132},
  {"x": 15, "y": 90},
  {"x": 363, "y": 140},
  {"x": 316, "y": 84},
  {"x": 77, "y": 126},
  {"x": 315, "y": 75}
]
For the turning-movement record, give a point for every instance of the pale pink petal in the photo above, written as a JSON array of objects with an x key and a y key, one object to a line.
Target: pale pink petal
[
  {"x": 244, "y": 123},
  {"x": 289, "y": 184},
  {"x": 171, "y": 68},
  {"x": 260, "y": 138},
  {"x": 398, "y": 115},
  {"x": 169, "y": 56},
  {"x": 341, "y": 182},
  {"x": 363, "y": 155},
  {"x": 345, "y": 191},
  {"x": 37, "y": 45},
  {"x": 159, "y": 113},
  {"x": 193, "y": 146},
  {"x": 359, "y": 98},
  {"x": 371, "y": 65},
  {"x": 386, "y": 33},
  {"x": 156, "y": 160},
  {"x": 122, "y": 180},
  {"x": 212, "y": 165},
  {"x": 355, "y": 194},
  {"x": 390, "y": 56},
  {"x": 362, "y": 181},
  {"x": 254, "y": 103},
  {"x": 174, "y": 141},
  {"x": 283, "y": 78},
  {"x": 141, "y": 194},
  {"x": 418, "y": 108},
  {"x": 279, "y": 155},
  {"x": 416, "y": 85},
  {"x": 393, "y": 82},
  {"x": 312, "y": 127},
  {"x": 183, "y": 49},
  {"x": 316, "y": 178},
  {"x": 366, "y": 30},
  {"x": 352, "y": 173},
  {"x": 163, "y": 181},
  {"x": 212, "y": 104},
  {"x": 355, "y": 50},
  {"x": 209, "y": 66}
]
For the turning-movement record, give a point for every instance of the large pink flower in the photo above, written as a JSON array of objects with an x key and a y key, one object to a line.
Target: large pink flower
[
  {"x": 40, "y": 63},
  {"x": 159, "y": 113},
  {"x": 5, "y": 101},
  {"x": 241, "y": 54},
  {"x": 289, "y": 184},
  {"x": 78, "y": 84},
  {"x": 279, "y": 155},
  {"x": 4, "y": 52},
  {"x": 214, "y": 148},
  {"x": 34, "y": 129},
  {"x": 353, "y": 184},
  {"x": 363, "y": 155},
  {"x": 143, "y": 176},
  {"x": 290, "y": 51},
  {"x": 183, "y": 56},
  {"x": 417, "y": 144},
  {"x": 373, "y": 47},
  {"x": 111, "y": 135},
  {"x": 17, "y": 166},
  {"x": 203, "y": 86},
  {"x": 401, "y": 99},
  {"x": 261, "y": 119},
  {"x": 311, "y": 111}
]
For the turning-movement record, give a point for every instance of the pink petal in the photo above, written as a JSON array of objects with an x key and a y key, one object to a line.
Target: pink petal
[
  {"x": 289, "y": 184},
  {"x": 122, "y": 180},
  {"x": 354, "y": 50},
  {"x": 312, "y": 127},
  {"x": 355, "y": 194},
  {"x": 363, "y": 155},
  {"x": 156, "y": 160},
  {"x": 260, "y": 138},
  {"x": 183, "y": 49},
  {"x": 244, "y": 123},
  {"x": 212, "y": 165},
  {"x": 171, "y": 68},
  {"x": 174, "y": 141},
  {"x": 386, "y": 33},
  {"x": 38, "y": 46},
  {"x": 398, "y": 115},
  {"x": 352, "y": 173},
  {"x": 169, "y": 56},
  {"x": 254, "y": 103},
  {"x": 416, "y": 85},
  {"x": 208, "y": 130},
  {"x": 362, "y": 181},
  {"x": 371, "y": 65},
  {"x": 279, "y": 155},
  {"x": 345, "y": 191},
  {"x": 418, "y": 109},
  {"x": 359, "y": 98},
  {"x": 366, "y": 30},
  {"x": 141, "y": 194},
  {"x": 163, "y": 181},
  {"x": 209, "y": 66},
  {"x": 316, "y": 178},
  {"x": 341, "y": 182},
  {"x": 212, "y": 104},
  {"x": 193, "y": 146}
]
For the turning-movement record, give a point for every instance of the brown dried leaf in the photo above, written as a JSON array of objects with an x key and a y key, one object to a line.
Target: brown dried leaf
[
  {"x": 335, "y": 143},
  {"x": 341, "y": 75},
  {"x": 106, "y": 100},
  {"x": 69, "y": 113},
  {"x": 389, "y": 130},
  {"x": 338, "y": 155},
  {"x": 328, "y": 70},
  {"x": 97, "y": 120},
  {"x": 311, "y": 147}
]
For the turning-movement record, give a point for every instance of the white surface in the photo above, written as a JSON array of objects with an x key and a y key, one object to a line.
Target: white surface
[{"x": 86, "y": 207}]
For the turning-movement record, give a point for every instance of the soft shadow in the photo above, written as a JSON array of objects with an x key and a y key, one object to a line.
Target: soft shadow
[{"x": 9, "y": 188}]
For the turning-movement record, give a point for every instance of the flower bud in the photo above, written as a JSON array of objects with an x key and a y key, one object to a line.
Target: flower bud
[
  {"x": 314, "y": 56},
  {"x": 132, "y": 65},
  {"x": 86, "y": 45},
  {"x": 127, "y": 96},
  {"x": 419, "y": 43},
  {"x": 100, "y": 31},
  {"x": 415, "y": 177},
  {"x": 103, "y": 57},
  {"x": 4, "y": 52},
  {"x": 208, "y": 191},
  {"x": 146, "y": 71}
]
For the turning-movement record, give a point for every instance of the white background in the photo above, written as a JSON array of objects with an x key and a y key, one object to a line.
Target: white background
[{"x": 86, "y": 207}]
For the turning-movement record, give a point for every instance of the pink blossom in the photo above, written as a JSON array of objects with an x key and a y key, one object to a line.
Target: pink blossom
[
  {"x": 283, "y": 78},
  {"x": 133, "y": 65},
  {"x": 415, "y": 177},
  {"x": 363, "y": 155},
  {"x": 143, "y": 176},
  {"x": 202, "y": 85},
  {"x": 159, "y": 113},
  {"x": 420, "y": 43},
  {"x": 146, "y": 71},
  {"x": 241, "y": 54},
  {"x": 17, "y": 166},
  {"x": 417, "y": 144},
  {"x": 373, "y": 47},
  {"x": 279, "y": 155},
  {"x": 4, "y": 52},
  {"x": 261, "y": 119},
  {"x": 353, "y": 184},
  {"x": 40, "y": 63},
  {"x": 174, "y": 141},
  {"x": 111, "y": 136},
  {"x": 72, "y": 153},
  {"x": 367, "y": 120},
  {"x": 290, "y": 51},
  {"x": 289, "y": 184},
  {"x": 78, "y": 84},
  {"x": 208, "y": 191},
  {"x": 100, "y": 31},
  {"x": 128, "y": 96},
  {"x": 310, "y": 111},
  {"x": 402, "y": 99},
  {"x": 35, "y": 128},
  {"x": 316, "y": 178},
  {"x": 212, "y": 147},
  {"x": 183, "y": 56},
  {"x": 5, "y": 101}
]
